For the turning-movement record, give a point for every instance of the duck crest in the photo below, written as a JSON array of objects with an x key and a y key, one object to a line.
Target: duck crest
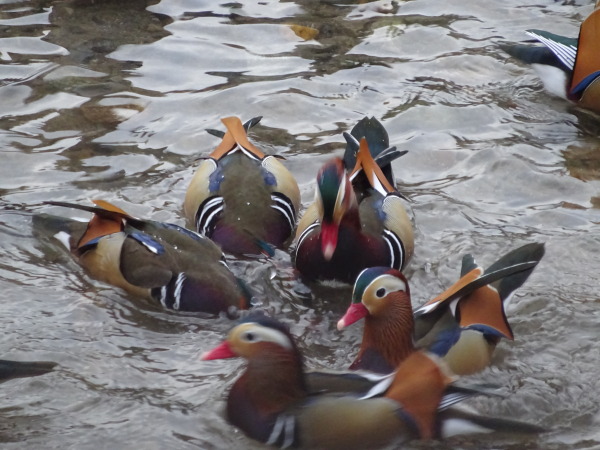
[
  {"x": 335, "y": 189},
  {"x": 418, "y": 385}
]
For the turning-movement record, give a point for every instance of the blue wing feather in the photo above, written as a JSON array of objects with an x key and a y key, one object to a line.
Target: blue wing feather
[
  {"x": 445, "y": 341},
  {"x": 148, "y": 242}
]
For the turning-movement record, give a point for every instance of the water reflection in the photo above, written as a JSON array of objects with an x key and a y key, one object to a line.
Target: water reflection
[
  {"x": 583, "y": 162},
  {"x": 90, "y": 87}
]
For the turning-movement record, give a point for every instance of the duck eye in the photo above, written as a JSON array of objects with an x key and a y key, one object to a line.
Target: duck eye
[
  {"x": 250, "y": 337},
  {"x": 380, "y": 292}
]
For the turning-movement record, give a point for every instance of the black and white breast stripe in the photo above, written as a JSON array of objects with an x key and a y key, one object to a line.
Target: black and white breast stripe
[
  {"x": 283, "y": 204},
  {"x": 170, "y": 295},
  {"x": 284, "y": 432},
  {"x": 306, "y": 233},
  {"x": 211, "y": 208},
  {"x": 207, "y": 214},
  {"x": 397, "y": 253}
]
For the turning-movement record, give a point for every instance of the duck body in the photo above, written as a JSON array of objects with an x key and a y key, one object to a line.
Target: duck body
[
  {"x": 270, "y": 401},
  {"x": 465, "y": 323},
  {"x": 179, "y": 268},
  {"x": 242, "y": 199},
  {"x": 358, "y": 219},
  {"x": 569, "y": 68},
  {"x": 348, "y": 259},
  {"x": 462, "y": 325}
]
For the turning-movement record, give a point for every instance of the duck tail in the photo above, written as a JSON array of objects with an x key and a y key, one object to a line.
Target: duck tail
[{"x": 527, "y": 255}]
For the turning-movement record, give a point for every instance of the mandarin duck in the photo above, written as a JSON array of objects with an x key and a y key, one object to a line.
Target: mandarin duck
[
  {"x": 568, "y": 67},
  {"x": 239, "y": 197},
  {"x": 462, "y": 325},
  {"x": 270, "y": 401},
  {"x": 358, "y": 219},
  {"x": 22, "y": 369},
  {"x": 181, "y": 269}
]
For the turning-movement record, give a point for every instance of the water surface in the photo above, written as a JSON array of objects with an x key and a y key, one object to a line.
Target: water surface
[{"x": 111, "y": 100}]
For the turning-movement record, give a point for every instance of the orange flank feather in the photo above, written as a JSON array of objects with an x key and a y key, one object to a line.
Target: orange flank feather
[
  {"x": 419, "y": 385},
  {"x": 100, "y": 226},
  {"x": 587, "y": 61},
  {"x": 373, "y": 172},
  {"x": 484, "y": 306},
  {"x": 466, "y": 279}
]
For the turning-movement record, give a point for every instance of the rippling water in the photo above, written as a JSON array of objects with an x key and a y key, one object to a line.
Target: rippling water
[{"x": 111, "y": 100}]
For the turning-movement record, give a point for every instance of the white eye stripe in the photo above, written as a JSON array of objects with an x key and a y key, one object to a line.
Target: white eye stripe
[
  {"x": 387, "y": 283},
  {"x": 254, "y": 332},
  {"x": 305, "y": 233}
]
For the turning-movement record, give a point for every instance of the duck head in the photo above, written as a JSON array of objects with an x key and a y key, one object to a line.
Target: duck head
[
  {"x": 381, "y": 296},
  {"x": 253, "y": 335},
  {"x": 376, "y": 292},
  {"x": 334, "y": 198}
]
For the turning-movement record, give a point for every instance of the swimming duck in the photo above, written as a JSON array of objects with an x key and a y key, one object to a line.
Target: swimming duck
[
  {"x": 242, "y": 199},
  {"x": 569, "y": 68},
  {"x": 181, "y": 269},
  {"x": 358, "y": 219},
  {"x": 270, "y": 402},
  {"x": 462, "y": 325},
  {"x": 22, "y": 369}
]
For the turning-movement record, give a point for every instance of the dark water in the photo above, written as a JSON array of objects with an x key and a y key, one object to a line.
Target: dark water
[{"x": 111, "y": 100}]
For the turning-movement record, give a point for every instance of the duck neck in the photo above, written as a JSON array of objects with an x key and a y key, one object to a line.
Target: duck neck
[
  {"x": 351, "y": 218},
  {"x": 391, "y": 334},
  {"x": 272, "y": 382}
]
